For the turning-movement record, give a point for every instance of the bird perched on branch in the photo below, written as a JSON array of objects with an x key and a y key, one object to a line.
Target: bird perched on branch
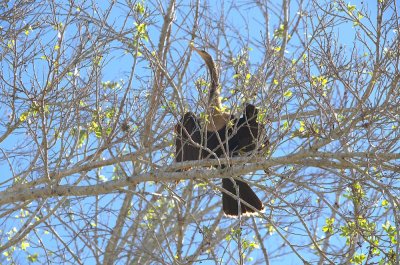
[{"x": 221, "y": 135}]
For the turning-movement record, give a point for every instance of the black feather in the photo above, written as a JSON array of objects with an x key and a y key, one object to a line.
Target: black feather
[
  {"x": 187, "y": 133},
  {"x": 230, "y": 204},
  {"x": 233, "y": 140}
]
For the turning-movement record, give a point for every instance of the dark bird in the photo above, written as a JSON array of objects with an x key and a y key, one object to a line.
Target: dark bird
[{"x": 223, "y": 135}]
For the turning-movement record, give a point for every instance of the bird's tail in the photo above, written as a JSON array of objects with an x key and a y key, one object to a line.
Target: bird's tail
[{"x": 230, "y": 204}]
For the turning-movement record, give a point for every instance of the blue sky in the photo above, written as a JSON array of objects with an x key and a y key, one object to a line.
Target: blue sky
[{"x": 118, "y": 66}]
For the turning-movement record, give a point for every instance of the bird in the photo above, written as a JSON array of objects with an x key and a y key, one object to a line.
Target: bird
[{"x": 220, "y": 135}]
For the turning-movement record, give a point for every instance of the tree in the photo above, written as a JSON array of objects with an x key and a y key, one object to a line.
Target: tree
[{"x": 90, "y": 94}]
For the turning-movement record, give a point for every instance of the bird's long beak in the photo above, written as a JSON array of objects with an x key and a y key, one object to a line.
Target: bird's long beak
[
  {"x": 195, "y": 49},
  {"x": 191, "y": 45}
]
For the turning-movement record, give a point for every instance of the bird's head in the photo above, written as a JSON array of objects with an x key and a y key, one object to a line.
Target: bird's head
[{"x": 206, "y": 57}]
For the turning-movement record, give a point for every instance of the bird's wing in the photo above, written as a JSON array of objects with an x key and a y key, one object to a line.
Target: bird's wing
[
  {"x": 188, "y": 138},
  {"x": 249, "y": 131}
]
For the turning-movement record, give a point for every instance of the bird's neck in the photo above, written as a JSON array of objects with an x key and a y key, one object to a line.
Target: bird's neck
[
  {"x": 217, "y": 119},
  {"x": 215, "y": 88}
]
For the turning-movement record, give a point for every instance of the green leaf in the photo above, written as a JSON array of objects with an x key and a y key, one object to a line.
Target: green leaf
[
  {"x": 33, "y": 258},
  {"x": 271, "y": 229},
  {"x": 141, "y": 29},
  {"x": 254, "y": 245},
  {"x": 328, "y": 227},
  {"x": 358, "y": 258},
  {"x": 172, "y": 105},
  {"x": 82, "y": 137},
  {"x": 11, "y": 44},
  {"x": 139, "y": 8},
  {"x": 285, "y": 125},
  {"x": 102, "y": 178},
  {"x": 279, "y": 32},
  {"x": 110, "y": 112},
  {"x": 288, "y": 94},
  {"x": 262, "y": 113},
  {"x": 24, "y": 116},
  {"x": 351, "y": 8},
  {"x": 24, "y": 245},
  {"x": 97, "y": 60},
  {"x": 302, "y": 126},
  {"x": 391, "y": 231},
  {"x": 98, "y": 132},
  {"x": 358, "y": 191}
]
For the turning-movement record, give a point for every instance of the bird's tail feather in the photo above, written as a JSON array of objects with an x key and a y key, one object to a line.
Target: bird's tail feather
[{"x": 230, "y": 204}]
